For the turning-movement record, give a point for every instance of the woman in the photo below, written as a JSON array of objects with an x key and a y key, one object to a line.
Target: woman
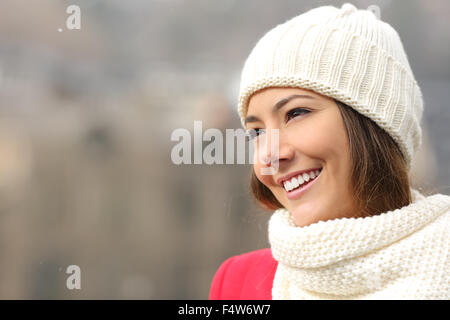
[{"x": 336, "y": 86}]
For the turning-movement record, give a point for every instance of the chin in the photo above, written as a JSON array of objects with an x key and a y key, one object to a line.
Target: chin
[
  {"x": 303, "y": 221},
  {"x": 304, "y": 217}
]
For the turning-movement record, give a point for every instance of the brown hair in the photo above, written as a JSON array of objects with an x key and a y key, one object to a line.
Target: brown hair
[{"x": 379, "y": 175}]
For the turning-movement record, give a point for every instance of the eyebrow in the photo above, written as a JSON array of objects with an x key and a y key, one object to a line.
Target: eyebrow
[{"x": 280, "y": 104}]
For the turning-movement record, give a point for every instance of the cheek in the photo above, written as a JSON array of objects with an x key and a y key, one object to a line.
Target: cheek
[
  {"x": 327, "y": 141},
  {"x": 324, "y": 138},
  {"x": 257, "y": 168},
  {"x": 315, "y": 140},
  {"x": 268, "y": 181},
  {"x": 259, "y": 165}
]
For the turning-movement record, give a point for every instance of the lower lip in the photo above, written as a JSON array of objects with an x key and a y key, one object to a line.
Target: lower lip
[{"x": 295, "y": 194}]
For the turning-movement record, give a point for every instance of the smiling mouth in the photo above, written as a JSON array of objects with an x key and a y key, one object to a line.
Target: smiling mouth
[{"x": 301, "y": 180}]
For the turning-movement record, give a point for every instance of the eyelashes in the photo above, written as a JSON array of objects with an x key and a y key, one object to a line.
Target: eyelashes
[
  {"x": 295, "y": 113},
  {"x": 291, "y": 114},
  {"x": 253, "y": 133}
]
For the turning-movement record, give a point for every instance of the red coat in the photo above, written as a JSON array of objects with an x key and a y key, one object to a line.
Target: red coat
[{"x": 248, "y": 276}]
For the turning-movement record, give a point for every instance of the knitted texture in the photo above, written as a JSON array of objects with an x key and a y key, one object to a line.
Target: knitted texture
[
  {"x": 400, "y": 254},
  {"x": 346, "y": 54}
]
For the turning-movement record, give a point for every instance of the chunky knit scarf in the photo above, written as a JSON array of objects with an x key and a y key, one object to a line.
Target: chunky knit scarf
[{"x": 400, "y": 254}]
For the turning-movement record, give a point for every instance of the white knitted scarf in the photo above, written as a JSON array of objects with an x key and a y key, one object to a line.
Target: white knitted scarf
[{"x": 400, "y": 254}]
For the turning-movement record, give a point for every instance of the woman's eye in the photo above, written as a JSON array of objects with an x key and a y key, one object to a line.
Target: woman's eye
[
  {"x": 295, "y": 113},
  {"x": 253, "y": 133}
]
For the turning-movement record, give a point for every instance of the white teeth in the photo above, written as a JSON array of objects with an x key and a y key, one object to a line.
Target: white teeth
[
  {"x": 292, "y": 186},
  {"x": 306, "y": 177},
  {"x": 295, "y": 183},
  {"x": 289, "y": 186},
  {"x": 300, "y": 179}
]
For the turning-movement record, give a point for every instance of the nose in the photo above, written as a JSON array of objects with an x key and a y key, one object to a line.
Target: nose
[{"x": 274, "y": 149}]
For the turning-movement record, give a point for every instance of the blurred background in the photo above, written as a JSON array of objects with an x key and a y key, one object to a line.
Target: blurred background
[{"x": 86, "y": 117}]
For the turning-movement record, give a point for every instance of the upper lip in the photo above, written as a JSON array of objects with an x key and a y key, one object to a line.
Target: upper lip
[{"x": 281, "y": 180}]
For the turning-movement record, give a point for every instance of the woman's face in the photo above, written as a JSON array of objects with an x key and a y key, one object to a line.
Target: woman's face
[{"x": 311, "y": 137}]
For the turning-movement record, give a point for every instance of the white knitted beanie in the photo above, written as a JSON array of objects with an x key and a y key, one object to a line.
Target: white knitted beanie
[{"x": 346, "y": 54}]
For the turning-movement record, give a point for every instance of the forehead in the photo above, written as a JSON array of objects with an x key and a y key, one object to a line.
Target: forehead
[{"x": 271, "y": 96}]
